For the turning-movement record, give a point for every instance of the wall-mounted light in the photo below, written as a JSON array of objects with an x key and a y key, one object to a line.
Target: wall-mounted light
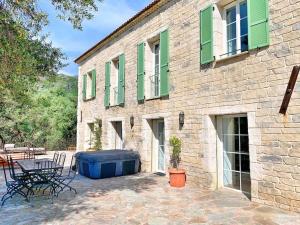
[
  {"x": 99, "y": 122},
  {"x": 131, "y": 121},
  {"x": 181, "y": 119}
]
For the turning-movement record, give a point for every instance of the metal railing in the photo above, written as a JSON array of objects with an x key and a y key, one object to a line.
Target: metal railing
[{"x": 154, "y": 85}]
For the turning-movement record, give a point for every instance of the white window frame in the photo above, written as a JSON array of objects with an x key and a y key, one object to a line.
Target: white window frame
[
  {"x": 153, "y": 66},
  {"x": 89, "y": 81},
  {"x": 238, "y": 30},
  {"x": 114, "y": 82}
]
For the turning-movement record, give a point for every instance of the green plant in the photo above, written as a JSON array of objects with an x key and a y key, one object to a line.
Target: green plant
[
  {"x": 176, "y": 143},
  {"x": 97, "y": 135}
]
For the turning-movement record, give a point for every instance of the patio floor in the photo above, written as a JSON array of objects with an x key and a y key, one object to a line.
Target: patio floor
[{"x": 141, "y": 199}]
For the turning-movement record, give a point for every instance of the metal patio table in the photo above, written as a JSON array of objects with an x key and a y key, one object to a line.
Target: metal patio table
[{"x": 42, "y": 174}]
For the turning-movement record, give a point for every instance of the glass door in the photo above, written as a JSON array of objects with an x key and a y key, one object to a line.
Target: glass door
[
  {"x": 161, "y": 146},
  {"x": 236, "y": 161}
]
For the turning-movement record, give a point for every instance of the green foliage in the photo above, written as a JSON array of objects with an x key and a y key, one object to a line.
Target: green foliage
[
  {"x": 52, "y": 117},
  {"x": 37, "y": 107},
  {"x": 97, "y": 134},
  {"x": 175, "y": 143}
]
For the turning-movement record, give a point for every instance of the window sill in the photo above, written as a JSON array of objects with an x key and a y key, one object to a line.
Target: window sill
[
  {"x": 89, "y": 99},
  {"x": 113, "y": 106},
  {"x": 232, "y": 57},
  {"x": 152, "y": 98}
]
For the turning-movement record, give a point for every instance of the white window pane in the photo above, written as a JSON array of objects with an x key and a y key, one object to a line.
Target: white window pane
[
  {"x": 231, "y": 31},
  {"x": 232, "y": 179},
  {"x": 243, "y": 9},
  {"x": 244, "y": 43},
  {"x": 231, "y": 161},
  {"x": 244, "y": 26},
  {"x": 231, "y": 46},
  {"x": 231, "y": 15}
]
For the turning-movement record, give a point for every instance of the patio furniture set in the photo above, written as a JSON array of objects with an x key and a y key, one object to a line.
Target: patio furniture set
[{"x": 29, "y": 177}]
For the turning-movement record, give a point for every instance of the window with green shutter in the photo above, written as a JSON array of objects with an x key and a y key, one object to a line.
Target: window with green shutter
[
  {"x": 140, "y": 71},
  {"x": 258, "y": 23},
  {"x": 121, "y": 80},
  {"x": 245, "y": 26},
  {"x": 84, "y": 84},
  {"x": 206, "y": 35},
  {"x": 164, "y": 63},
  {"x": 107, "y": 85},
  {"x": 93, "y": 94}
]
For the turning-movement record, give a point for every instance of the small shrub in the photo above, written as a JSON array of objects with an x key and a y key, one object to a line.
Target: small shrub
[{"x": 176, "y": 143}]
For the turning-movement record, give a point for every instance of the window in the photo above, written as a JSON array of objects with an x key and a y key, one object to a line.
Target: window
[
  {"x": 224, "y": 28},
  {"x": 155, "y": 78},
  {"x": 236, "y": 28},
  {"x": 90, "y": 135},
  {"x": 114, "y": 81},
  {"x": 89, "y": 85},
  {"x": 236, "y": 158},
  {"x": 153, "y": 67}
]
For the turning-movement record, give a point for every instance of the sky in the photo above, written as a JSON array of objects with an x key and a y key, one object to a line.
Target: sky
[{"x": 110, "y": 15}]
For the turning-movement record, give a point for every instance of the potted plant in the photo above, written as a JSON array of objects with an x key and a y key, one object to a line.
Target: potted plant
[{"x": 177, "y": 175}]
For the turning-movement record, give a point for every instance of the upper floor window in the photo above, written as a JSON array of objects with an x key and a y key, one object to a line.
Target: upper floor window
[
  {"x": 236, "y": 28},
  {"x": 89, "y": 85},
  {"x": 115, "y": 81},
  {"x": 230, "y": 29},
  {"x": 153, "y": 67},
  {"x": 155, "y": 77}
]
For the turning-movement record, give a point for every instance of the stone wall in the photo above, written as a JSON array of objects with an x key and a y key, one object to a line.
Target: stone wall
[{"x": 253, "y": 83}]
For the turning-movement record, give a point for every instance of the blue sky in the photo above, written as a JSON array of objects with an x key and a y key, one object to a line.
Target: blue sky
[{"x": 111, "y": 14}]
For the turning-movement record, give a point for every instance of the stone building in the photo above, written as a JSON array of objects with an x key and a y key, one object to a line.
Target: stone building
[{"x": 222, "y": 67}]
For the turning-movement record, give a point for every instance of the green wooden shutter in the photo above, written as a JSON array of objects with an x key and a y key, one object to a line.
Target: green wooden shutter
[
  {"x": 121, "y": 83},
  {"x": 107, "y": 85},
  {"x": 206, "y": 35},
  {"x": 258, "y": 23},
  {"x": 140, "y": 72},
  {"x": 164, "y": 63},
  {"x": 93, "y": 83},
  {"x": 84, "y": 80}
]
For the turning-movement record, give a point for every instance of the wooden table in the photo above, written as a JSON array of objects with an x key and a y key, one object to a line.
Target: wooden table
[{"x": 32, "y": 165}]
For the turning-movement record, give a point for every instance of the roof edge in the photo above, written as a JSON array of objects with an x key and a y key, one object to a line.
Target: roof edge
[{"x": 152, "y": 7}]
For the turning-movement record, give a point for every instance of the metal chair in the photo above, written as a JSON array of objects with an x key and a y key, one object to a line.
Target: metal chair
[
  {"x": 15, "y": 184},
  {"x": 55, "y": 157},
  {"x": 65, "y": 180},
  {"x": 62, "y": 158},
  {"x": 29, "y": 154}
]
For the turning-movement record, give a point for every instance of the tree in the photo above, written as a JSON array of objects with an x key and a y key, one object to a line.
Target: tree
[
  {"x": 51, "y": 121},
  {"x": 26, "y": 59}
]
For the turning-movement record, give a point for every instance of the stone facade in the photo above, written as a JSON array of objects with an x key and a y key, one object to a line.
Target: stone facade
[{"x": 252, "y": 83}]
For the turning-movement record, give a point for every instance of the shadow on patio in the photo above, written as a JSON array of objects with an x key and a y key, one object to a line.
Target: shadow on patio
[{"x": 90, "y": 197}]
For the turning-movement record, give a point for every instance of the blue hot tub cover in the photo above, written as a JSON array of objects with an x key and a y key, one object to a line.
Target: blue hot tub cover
[
  {"x": 108, "y": 163},
  {"x": 107, "y": 155}
]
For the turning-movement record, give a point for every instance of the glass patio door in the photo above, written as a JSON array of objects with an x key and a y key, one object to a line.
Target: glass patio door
[
  {"x": 236, "y": 161},
  {"x": 161, "y": 146}
]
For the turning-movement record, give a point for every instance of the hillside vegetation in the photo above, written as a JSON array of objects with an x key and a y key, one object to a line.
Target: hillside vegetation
[{"x": 47, "y": 119}]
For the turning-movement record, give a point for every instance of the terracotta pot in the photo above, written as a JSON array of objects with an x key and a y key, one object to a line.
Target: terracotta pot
[{"x": 177, "y": 177}]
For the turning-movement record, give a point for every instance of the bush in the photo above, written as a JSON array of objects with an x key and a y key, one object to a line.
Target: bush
[{"x": 176, "y": 143}]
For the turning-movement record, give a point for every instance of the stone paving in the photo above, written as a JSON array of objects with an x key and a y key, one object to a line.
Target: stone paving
[{"x": 141, "y": 199}]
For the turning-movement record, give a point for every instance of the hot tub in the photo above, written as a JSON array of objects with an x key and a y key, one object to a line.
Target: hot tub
[{"x": 108, "y": 163}]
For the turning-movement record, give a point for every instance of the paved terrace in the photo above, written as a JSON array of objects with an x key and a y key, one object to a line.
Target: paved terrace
[{"x": 141, "y": 199}]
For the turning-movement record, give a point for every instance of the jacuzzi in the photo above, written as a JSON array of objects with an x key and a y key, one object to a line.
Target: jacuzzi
[{"x": 108, "y": 163}]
